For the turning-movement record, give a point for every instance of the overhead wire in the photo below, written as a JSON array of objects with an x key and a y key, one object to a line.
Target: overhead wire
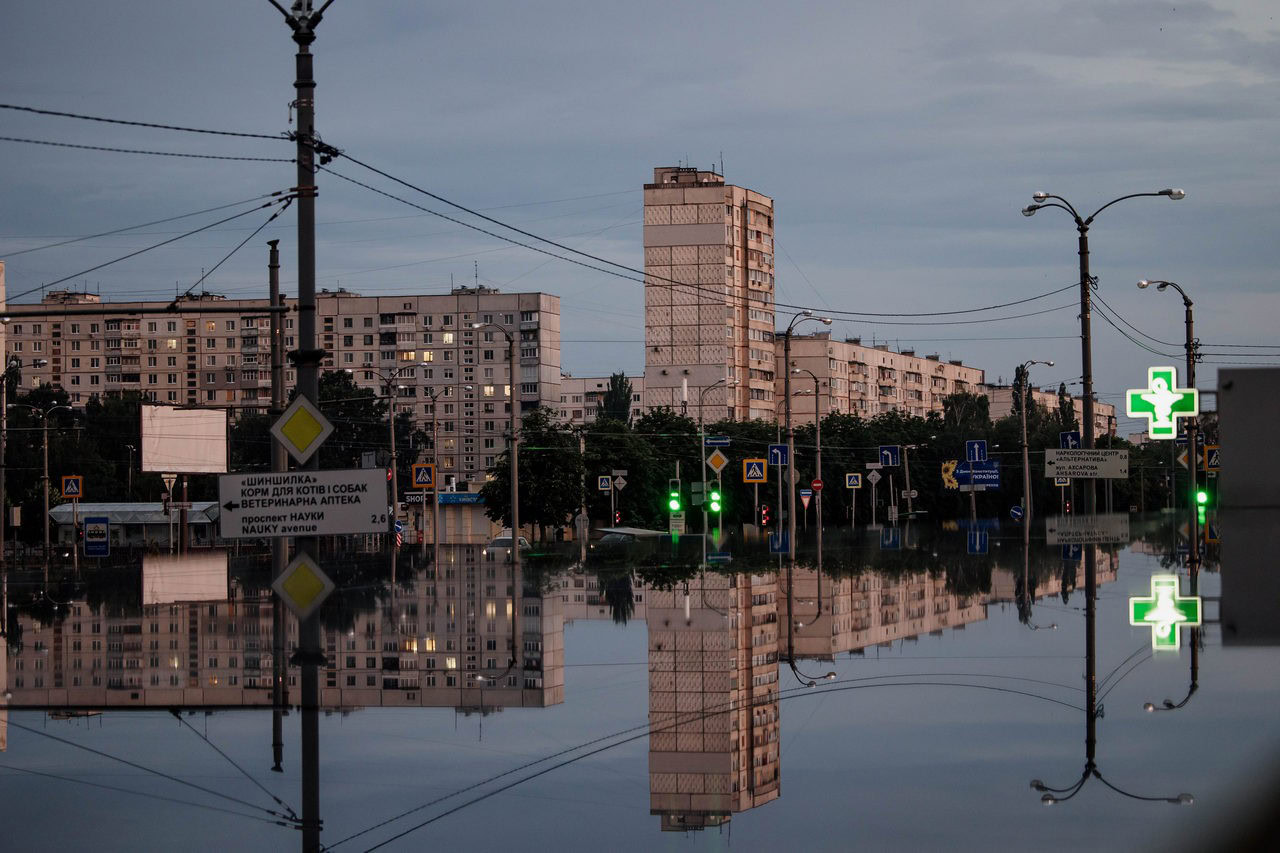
[
  {"x": 177, "y": 715},
  {"x": 205, "y": 275},
  {"x": 38, "y": 111},
  {"x": 114, "y": 150}
]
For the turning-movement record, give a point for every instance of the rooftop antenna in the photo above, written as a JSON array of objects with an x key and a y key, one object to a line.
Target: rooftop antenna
[
  {"x": 722, "y": 164},
  {"x": 476, "y": 265}
]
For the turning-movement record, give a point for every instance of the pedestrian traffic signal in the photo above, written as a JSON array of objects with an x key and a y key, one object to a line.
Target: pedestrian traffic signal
[
  {"x": 764, "y": 515},
  {"x": 617, "y": 517},
  {"x": 713, "y": 500}
]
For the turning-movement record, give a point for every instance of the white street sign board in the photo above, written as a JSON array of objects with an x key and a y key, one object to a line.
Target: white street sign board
[
  {"x": 676, "y": 522},
  {"x": 873, "y": 477},
  {"x": 303, "y": 503},
  {"x": 1086, "y": 529},
  {"x": 1087, "y": 464}
]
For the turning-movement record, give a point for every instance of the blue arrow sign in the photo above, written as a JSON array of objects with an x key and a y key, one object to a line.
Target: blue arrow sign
[
  {"x": 977, "y": 541},
  {"x": 890, "y": 539},
  {"x": 975, "y": 450},
  {"x": 1015, "y": 512},
  {"x": 780, "y": 542},
  {"x": 1072, "y": 553},
  {"x": 778, "y": 454},
  {"x": 890, "y": 455},
  {"x": 715, "y": 441},
  {"x": 1069, "y": 440}
]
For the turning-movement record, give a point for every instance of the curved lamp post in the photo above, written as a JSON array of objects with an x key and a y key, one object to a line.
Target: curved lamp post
[
  {"x": 806, "y": 680},
  {"x": 1026, "y": 465},
  {"x": 1053, "y": 796},
  {"x": 800, "y": 317},
  {"x": 44, "y": 413}
]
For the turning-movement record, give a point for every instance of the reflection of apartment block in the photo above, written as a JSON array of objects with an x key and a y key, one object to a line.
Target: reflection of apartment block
[
  {"x": 713, "y": 700},
  {"x": 582, "y": 396},
  {"x": 4, "y": 686},
  {"x": 581, "y": 598},
  {"x": 426, "y": 342},
  {"x": 708, "y": 260},
  {"x": 1006, "y": 582},
  {"x": 1001, "y": 397},
  {"x": 867, "y": 380}
]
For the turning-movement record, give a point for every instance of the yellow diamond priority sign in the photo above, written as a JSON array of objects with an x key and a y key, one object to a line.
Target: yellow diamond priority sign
[
  {"x": 717, "y": 461},
  {"x": 302, "y": 429},
  {"x": 303, "y": 586}
]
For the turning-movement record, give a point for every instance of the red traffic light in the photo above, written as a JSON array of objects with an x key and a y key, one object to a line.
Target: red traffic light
[
  {"x": 617, "y": 516},
  {"x": 764, "y": 515}
]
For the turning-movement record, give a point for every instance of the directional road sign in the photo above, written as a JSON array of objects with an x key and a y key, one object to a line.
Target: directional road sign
[
  {"x": 891, "y": 455},
  {"x": 1015, "y": 512},
  {"x": 975, "y": 451},
  {"x": 755, "y": 471},
  {"x": 778, "y": 454},
  {"x": 303, "y": 586},
  {"x": 1086, "y": 529},
  {"x": 985, "y": 474},
  {"x": 303, "y": 503},
  {"x": 1162, "y": 402},
  {"x": 717, "y": 461},
  {"x": 977, "y": 542},
  {"x": 1212, "y": 456},
  {"x": 1072, "y": 553},
  {"x": 873, "y": 477},
  {"x": 301, "y": 429},
  {"x": 1069, "y": 440},
  {"x": 853, "y": 481},
  {"x": 1182, "y": 457},
  {"x": 97, "y": 538},
  {"x": 424, "y": 475},
  {"x": 890, "y": 538},
  {"x": 73, "y": 487},
  {"x": 604, "y": 483},
  {"x": 1087, "y": 464},
  {"x": 1165, "y": 611},
  {"x": 780, "y": 542},
  {"x": 715, "y": 441}
]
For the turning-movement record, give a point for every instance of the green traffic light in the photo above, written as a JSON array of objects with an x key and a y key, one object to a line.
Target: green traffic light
[
  {"x": 1202, "y": 497},
  {"x": 714, "y": 500},
  {"x": 674, "y": 502}
]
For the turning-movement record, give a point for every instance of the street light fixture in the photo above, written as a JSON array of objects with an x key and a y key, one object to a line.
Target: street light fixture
[
  {"x": 514, "y": 447},
  {"x": 1024, "y": 372},
  {"x": 702, "y": 454},
  {"x": 389, "y": 383},
  {"x": 45, "y": 413},
  {"x": 817, "y": 422},
  {"x": 1193, "y": 423},
  {"x": 800, "y": 317}
]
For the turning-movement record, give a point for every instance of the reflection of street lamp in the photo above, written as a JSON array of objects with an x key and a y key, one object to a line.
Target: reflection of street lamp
[
  {"x": 799, "y": 318},
  {"x": 1051, "y": 795},
  {"x": 45, "y": 413},
  {"x": 129, "y": 474},
  {"x": 806, "y": 680}
]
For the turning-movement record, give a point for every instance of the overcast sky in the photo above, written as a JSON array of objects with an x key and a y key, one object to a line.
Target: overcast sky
[{"x": 899, "y": 142}]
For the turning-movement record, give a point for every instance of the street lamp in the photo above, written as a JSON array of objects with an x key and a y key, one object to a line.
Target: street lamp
[
  {"x": 806, "y": 680},
  {"x": 800, "y": 317},
  {"x": 389, "y": 382},
  {"x": 45, "y": 413},
  {"x": 817, "y": 422},
  {"x": 434, "y": 395},
  {"x": 1193, "y": 423},
  {"x": 1043, "y": 199},
  {"x": 1026, "y": 464},
  {"x": 702, "y": 453},
  {"x": 514, "y": 446}
]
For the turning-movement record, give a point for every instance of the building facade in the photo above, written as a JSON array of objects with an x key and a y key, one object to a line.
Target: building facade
[
  {"x": 868, "y": 380},
  {"x": 1001, "y": 405},
  {"x": 582, "y": 396},
  {"x": 423, "y": 346},
  {"x": 709, "y": 296}
]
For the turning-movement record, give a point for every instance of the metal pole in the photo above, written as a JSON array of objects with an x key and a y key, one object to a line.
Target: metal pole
[
  {"x": 1193, "y": 460},
  {"x": 4, "y": 461},
  {"x": 1090, "y": 495},
  {"x": 791, "y": 446},
  {"x": 906, "y": 472},
  {"x": 817, "y": 462},
  {"x": 279, "y": 545},
  {"x": 45, "y": 434},
  {"x": 1026, "y": 464},
  {"x": 394, "y": 507},
  {"x": 517, "y": 580},
  {"x": 435, "y": 494}
]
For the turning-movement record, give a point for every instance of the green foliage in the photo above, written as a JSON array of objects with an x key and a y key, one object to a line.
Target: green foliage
[
  {"x": 551, "y": 472},
  {"x": 616, "y": 404}
]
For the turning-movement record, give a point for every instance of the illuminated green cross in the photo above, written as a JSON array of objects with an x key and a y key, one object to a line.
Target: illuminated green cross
[
  {"x": 1162, "y": 402},
  {"x": 1164, "y": 611}
]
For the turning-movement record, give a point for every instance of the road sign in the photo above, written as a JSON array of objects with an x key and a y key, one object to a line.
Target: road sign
[
  {"x": 873, "y": 477},
  {"x": 1062, "y": 481},
  {"x": 910, "y": 493},
  {"x": 1087, "y": 464},
  {"x": 603, "y": 483},
  {"x": 1182, "y": 457},
  {"x": 778, "y": 454},
  {"x": 890, "y": 538},
  {"x": 893, "y": 512},
  {"x": 1072, "y": 553},
  {"x": 301, "y": 429},
  {"x": 169, "y": 480},
  {"x": 780, "y": 542},
  {"x": 73, "y": 487},
  {"x": 1212, "y": 455},
  {"x": 1069, "y": 440},
  {"x": 1015, "y": 512},
  {"x": 676, "y": 523},
  {"x": 853, "y": 481},
  {"x": 817, "y": 484},
  {"x": 1162, "y": 402},
  {"x": 717, "y": 461},
  {"x": 975, "y": 450},
  {"x": 977, "y": 542},
  {"x": 97, "y": 538},
  {"x": 985, "y": 474},
  {"x": 619, "y": 483},
  {"x": 1086, "y": 529},
  {"x": 715, "y": 441},
  {"x": 1211, "y": 533},
  {"x": 303, "y": 586},
  {"x": 1165, "y": 611},
  {"x": 619, "y": 472},
  {"x": 424, "y": 475},
  {"x": 303, "y": 503},
  {"x": 719, "y": 557},
  {"x": 755, "y": 471},
  {"x": 805, "y": 496},
  {"x": 891, "y": 455}
]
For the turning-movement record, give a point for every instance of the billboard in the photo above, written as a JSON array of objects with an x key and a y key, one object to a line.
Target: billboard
[
  {"x": 170, "y": 578},
  {"x": 184, "y": 441}
]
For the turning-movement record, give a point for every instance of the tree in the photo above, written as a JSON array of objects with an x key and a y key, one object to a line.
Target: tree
[
  {"x": 1066, "y": 409},
  {"x": 550, "y": 476},
  {"x": 616, "y": 404}
]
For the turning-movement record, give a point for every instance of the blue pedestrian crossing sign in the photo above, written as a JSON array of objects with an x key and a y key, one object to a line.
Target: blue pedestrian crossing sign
[
  {"x": 778, "y": 454},
  {"x": 424, "y": 475},
  {"x": 853, "y": 480},
  {"x": 73, "y": 487},
  {"x": 1069, "y": 440},
  {"x": 604, "y": 483},
  {"x": 1212, "y": 457},
  {"x": 975, "y": 451},
  {"x": 891, "y": 455},
  {"x": 978, "y": 541},
  {"x": 755, "y": 471}
]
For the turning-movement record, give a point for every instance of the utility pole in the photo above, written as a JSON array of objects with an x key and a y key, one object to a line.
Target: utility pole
[{"x": 279, "y": 545}]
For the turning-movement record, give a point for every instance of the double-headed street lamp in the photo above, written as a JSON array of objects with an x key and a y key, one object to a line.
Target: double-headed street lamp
[
  {"x": 514, "y": 445},
  {"x": 1193, "y": 423},
  {"x": 1023, "y": 390},
  {"x": 796, "y": 320},
  {"x": 45, "y": 414},
  {"x": 817, "y": 463}
]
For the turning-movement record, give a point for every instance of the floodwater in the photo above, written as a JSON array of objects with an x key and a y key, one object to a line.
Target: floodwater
[{"x": 644, "y": 702}]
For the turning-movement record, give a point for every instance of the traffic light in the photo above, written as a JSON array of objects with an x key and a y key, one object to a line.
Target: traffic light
[
  {"x": 714, "y": 503},
  {"x": 765, "y": 517},
  {"x": 1204, "y": 500},
  {"x": 617, "y": 517},
  {"x": 674, "y": 504}
]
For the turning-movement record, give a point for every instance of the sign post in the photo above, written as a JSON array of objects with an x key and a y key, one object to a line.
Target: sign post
[
  {"x": 853, "y": 482},
  {"x": 873, "y": 478}
]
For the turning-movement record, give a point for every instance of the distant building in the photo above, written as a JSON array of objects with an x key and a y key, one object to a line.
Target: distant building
[
  {"x": 1001, "y": 397},
  {"x": 709, "y": 285},
  {"x": 582, "y": 396}
]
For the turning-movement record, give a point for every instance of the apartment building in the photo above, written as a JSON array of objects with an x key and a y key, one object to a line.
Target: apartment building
[
  {"x": 582, "y": 396},
  {"x": 1001, "y": 405},
  {"x": 868, "y": 380},
  {"x": 425, "y": 347},
  {"x": 709, "y": 296}
]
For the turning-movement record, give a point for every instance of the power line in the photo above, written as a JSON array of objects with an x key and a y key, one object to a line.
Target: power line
[
  {"x": 287, "y": 201},
  {"x": 37, "y": 111},
  {"x": 1131, "y": 326},
  {"x": 142, "y": 151}
]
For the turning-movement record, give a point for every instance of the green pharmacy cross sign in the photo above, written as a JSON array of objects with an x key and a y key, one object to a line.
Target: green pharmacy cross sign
[
  {"x": 1164, "y": 611},
  {"x": 1162, "y": 402}
]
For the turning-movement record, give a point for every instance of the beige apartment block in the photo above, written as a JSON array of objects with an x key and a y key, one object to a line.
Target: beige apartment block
[
  {"x": 582, "y": 396},
  {"x": 419, "y": 346},
  {"x": 867, "y": 380},
  {"x": 709, "y": 296},
  {"x": 1001, "y": 405}
]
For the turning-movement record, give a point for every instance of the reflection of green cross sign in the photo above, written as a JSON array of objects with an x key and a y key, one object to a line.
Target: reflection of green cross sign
[
  {"x": 1164, "y": 611},
  {"x": 1162, "y": 402}
]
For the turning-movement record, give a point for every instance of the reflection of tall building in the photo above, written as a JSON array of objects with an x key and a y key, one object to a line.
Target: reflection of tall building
[
  {"x": 713, "y": 699},
  {"x": 435, "y": 641},
  {"x": 4, "y": 682},
  {"x": 582, "y": 598}
]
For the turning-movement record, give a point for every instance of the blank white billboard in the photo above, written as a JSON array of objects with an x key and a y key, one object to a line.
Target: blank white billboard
[
  {"x": 184, "y": 441},
  {"x": 169, "y": 578}
]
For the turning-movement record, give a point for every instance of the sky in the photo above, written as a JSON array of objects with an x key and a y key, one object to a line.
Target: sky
[{"x": 899, "y": 142}]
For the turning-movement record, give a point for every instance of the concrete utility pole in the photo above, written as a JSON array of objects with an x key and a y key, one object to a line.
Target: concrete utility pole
[{"x": 279, "y": 545}]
